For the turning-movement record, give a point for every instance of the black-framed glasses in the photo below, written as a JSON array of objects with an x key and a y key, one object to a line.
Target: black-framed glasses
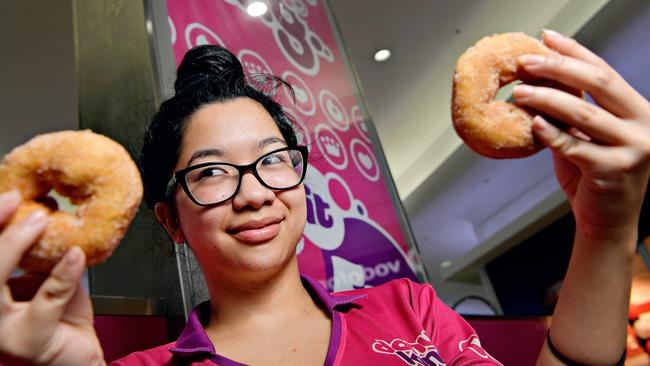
[{"x": 208, "y": 184}]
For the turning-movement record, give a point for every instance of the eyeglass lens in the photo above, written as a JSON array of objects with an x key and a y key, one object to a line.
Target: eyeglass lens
[{"x": 218, "y": 182}]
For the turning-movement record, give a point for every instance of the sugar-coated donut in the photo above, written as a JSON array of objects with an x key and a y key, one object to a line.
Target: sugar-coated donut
[
  {"x": 94, "y": 172},
  {"x": 495, "y": 129}
]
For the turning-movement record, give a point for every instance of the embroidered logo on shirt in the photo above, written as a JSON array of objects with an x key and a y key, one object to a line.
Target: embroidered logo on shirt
[
  {"x": 421, "y": 352},
  {"x": 474, "y": 344}
]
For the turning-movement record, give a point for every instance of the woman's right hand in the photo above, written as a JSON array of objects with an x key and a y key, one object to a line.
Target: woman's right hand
[{"x": 55, "y": 325}]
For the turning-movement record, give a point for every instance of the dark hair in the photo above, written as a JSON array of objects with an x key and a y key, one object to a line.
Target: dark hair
[{"x": 207, "y": 74}]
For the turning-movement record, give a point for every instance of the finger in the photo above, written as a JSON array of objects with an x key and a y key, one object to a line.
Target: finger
[
  {"x": 52, "y": 298},
  {"x": 605, "y": 85},
  {"x": 578, "y": 151},
  {"x": 570, "y": 47},
  {"x": 9, "y": 202},
  {"x": 588, "y": 118},
  {"x": 17, "y": 238},
  {"x": 577, "y": 133}
]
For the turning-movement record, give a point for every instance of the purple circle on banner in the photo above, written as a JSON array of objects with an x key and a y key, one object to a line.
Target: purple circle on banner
[{"x": 333, "y": 109}]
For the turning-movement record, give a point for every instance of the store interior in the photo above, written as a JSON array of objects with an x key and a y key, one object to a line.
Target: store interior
[{"x": 493, "y": 237}]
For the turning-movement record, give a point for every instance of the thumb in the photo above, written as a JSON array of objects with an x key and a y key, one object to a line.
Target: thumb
[{"x": 51, "y": 300}]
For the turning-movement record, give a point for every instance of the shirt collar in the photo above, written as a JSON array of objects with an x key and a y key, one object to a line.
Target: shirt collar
[
  {"x": 331, "y": 301},
  {"x": 194, "y": 340}
]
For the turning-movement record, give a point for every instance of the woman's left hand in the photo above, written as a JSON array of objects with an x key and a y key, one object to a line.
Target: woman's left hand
[{"x": 602, "y": 161}]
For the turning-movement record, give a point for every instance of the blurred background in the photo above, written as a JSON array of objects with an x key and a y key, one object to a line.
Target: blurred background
[{"x": 493, "y": 237}]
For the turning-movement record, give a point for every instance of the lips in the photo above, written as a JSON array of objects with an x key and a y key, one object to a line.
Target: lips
[{"x": 256, "y": 231}]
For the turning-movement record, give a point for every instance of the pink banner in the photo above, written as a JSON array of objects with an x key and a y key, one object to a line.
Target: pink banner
[{"x": 353, "y": 237}]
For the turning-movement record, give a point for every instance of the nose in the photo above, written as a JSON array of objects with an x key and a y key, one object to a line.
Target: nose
[{"x": 252, "y": 193}]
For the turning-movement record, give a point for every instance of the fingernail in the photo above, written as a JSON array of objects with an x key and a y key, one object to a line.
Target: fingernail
[
  {"x": 73, "y": 256},
  {"x": 552, "y": 34},
  {"x": 35, "y": 218},
  {"x": 9, "y": 198},
  {"x": 522, "y": 91},
  {"x": 530, "y": 60}
]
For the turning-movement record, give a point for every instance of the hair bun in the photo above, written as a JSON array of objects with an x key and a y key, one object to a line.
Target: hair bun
[{"x": 206, "y": 64}]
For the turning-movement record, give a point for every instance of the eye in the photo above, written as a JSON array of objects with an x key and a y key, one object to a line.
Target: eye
[
  {"x": 213, "y": 171},
  {"x": 274, "y": 159}
]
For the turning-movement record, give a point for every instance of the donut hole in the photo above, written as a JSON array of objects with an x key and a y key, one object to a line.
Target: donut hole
[
  {"x": 56, "y": 201},
  {"x": 504, "y": 94}
]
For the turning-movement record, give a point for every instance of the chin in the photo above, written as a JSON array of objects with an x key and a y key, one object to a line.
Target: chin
[{"x": 265, "y": 257}]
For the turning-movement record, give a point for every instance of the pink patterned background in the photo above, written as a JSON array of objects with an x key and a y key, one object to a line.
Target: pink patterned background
[{"x": 353, "y": 237}]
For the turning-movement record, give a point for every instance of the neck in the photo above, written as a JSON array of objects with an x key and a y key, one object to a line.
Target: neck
[{"x": 266, "y": 303}]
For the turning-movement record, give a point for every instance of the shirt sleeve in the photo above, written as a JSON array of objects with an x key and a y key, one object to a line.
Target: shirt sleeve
[{"x": 455, "y": 339}]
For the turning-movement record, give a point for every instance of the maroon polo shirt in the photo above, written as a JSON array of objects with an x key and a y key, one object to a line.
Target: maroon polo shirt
[{"x": 398, "y": 323}]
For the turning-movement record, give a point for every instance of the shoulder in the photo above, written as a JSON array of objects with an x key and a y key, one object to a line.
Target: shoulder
[
  {"x": 407, "y": 319},
  {"x": 152, "y": 357},
  {"x": 401, "y": 299},
  {"x": 398, "y": 290}
]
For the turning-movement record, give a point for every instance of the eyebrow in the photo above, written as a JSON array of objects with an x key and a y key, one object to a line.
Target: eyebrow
[
  {"x": 204, "y": 153},
  {"x": 219, "y": 153},
  {"x": 270, "y": 140}
]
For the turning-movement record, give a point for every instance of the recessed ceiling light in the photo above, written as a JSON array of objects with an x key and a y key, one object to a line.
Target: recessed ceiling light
[
  {"x": 445, "y": 264},
  {"x": 382, "y": 55},
  {"x": 256, "y": 8}
]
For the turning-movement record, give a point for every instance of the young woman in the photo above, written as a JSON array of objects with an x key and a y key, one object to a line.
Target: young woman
[{"x": 223, "y": 173}]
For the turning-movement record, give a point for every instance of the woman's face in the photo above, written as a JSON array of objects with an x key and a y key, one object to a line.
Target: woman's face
[{"x": 256, "y": 231}]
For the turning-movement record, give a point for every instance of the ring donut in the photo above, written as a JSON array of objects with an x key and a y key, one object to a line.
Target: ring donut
[
  {"x": 98, "y": 177},
  {"x": 496, "y": 129}
]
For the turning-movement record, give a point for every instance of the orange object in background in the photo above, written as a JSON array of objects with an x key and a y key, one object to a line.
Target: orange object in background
[
  {"x": 636, "y": 355},
  {"x": 638, "y": 332}
]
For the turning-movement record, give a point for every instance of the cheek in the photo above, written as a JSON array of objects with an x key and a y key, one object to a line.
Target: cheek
[
  {"x": 196, "y": 221},
  {"x": 295, "y": 201}
]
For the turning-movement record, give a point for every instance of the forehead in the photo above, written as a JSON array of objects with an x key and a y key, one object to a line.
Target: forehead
[{"x": 231, "y": 126}]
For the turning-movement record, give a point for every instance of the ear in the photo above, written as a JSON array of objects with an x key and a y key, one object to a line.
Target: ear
[{"x": 167, "y": 217}]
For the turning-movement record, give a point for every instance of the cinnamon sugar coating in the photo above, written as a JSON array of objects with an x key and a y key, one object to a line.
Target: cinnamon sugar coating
[{"x": 94, "y": 172}]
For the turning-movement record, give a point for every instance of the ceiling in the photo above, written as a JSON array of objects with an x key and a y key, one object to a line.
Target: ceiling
[
  {"x": 457, "y": 203},
  {"x": 408, "y": 95}
]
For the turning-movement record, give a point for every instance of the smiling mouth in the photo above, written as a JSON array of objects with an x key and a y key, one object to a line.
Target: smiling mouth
[{"x": 255, "y": 232}]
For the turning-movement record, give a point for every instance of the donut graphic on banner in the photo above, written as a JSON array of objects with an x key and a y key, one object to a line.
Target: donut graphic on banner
[
  {"x": 333, "y": 109},
  {"x": 253, "y": 62},
  {"x": 304, "y": 99},
  {"x": 197, "y": 34},
  {"x": 302, "y": 47},
  {"x": 339, "y": 224},
  {"x": 302, "y": 132},
  {"x": 359, "y": 123},
  {"x": 331, "y": 146},
  {"x": 364, "y": 159},
  {"x": 298, "y": 6}
]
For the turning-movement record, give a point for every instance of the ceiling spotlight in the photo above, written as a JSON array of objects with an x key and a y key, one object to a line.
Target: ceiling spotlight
[
  {"x": 382, "y": 55},
  {"x": 256, "y": 8}
]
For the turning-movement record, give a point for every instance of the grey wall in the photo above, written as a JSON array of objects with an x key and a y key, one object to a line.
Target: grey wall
[{"x": 37, "y": 74}]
